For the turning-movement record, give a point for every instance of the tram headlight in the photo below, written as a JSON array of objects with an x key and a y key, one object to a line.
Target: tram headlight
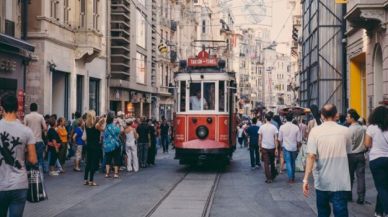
[{"x": 202, "y": 132}]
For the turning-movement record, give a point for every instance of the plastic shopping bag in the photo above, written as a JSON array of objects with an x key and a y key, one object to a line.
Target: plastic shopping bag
[
  {"x": 36, "y": 187},
  {"x": 300, "y": 162}
]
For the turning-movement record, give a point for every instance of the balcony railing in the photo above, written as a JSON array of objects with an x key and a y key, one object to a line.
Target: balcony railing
[{"x": 9, "y": 28}]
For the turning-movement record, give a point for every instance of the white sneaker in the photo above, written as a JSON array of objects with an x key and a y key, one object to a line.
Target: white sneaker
[
  {"x": 53, "y": 173},
  {"x": 253, "y": 168},
  {"x": 129, "y": 170}
]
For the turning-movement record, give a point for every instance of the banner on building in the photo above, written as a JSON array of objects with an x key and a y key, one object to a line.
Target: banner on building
[{"x": 20, "y": 103}]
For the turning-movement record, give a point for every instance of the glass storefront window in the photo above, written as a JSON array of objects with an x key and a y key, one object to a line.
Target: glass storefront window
[
  {"x": 210, "y": 95},
  {"x": 94, "y": 95}
]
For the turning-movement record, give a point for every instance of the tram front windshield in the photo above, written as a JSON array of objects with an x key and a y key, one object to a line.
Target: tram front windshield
[{"x": 202, "y": 96}]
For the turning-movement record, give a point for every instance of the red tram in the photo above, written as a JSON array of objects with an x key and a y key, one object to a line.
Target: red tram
[{"x": 205, "y": 117}]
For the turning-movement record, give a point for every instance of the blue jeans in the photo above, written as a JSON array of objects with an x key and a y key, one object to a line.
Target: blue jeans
[
  {"x": 164, "y": 140},
  {"x": 143, "y": 153},
  {"x": 254, "y": 154},
  {"x": 39, "y": 152},
  {"x": 290, "y": 157},
  {"x": 379, "y": 169},
  {"x": 157, "y": 145},
  {"x": 340, "y": 203},
  {"x": 13, "y": 201}
]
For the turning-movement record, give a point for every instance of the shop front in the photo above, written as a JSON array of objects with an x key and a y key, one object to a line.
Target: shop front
[{"x": 12, "y": 67}]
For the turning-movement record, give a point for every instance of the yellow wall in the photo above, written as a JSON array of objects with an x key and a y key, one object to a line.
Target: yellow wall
[{"x": 355, "y": 85}]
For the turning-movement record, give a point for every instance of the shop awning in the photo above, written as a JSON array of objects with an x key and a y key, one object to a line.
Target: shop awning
[{"x": 15, "y": 42}]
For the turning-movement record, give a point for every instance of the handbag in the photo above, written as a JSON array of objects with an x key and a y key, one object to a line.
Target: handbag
[{"x": 36, "y": 186}]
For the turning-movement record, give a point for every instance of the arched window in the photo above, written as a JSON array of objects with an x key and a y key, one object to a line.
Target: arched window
[{"x": 378, "y": 76}]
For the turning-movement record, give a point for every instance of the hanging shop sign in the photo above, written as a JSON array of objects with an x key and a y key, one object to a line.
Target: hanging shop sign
[{"x": 7, "y": 64}]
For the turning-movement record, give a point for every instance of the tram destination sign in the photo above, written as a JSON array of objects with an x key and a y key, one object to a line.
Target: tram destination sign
[{"x": 196, "y": 62}]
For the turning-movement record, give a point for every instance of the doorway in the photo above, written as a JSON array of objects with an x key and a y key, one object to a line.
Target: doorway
[
  {"x": 357, "y": 95},
  {"x": 60, "y": 94}
]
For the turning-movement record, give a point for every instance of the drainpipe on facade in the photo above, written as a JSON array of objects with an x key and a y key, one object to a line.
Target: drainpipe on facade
[
  {"x": 26, "y": 60},
  {"x": 344, "y": 63},
  {"x": 108, "y": 75}
]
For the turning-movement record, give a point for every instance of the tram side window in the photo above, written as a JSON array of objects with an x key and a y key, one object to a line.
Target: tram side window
[
  {"x": 221, "y": 94},
  {"x": 183, "y": 96},
  {"x": 196, "y": 97},
  {"x": 210, "y": 95}
]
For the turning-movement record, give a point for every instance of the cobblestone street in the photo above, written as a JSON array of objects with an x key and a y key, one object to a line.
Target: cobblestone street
[{"x": 155, "y": 192}]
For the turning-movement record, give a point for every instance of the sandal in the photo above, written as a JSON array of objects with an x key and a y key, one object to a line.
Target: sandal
[
  {"x": 117, "y": 176},
  {"x": 107, "y": 175},
  {"x": 92, "y": 184},
  {"x": 86, "y": 182},
  {"x": 268, "y": 181}
]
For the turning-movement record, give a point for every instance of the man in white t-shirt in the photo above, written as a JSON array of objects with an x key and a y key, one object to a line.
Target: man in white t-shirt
[
  {"x": 328, "y": 147},
  {"x": 268, "y": 137},
  {"x": 37, "y": 124},
  {"x": 289, "y": 136},
  {"x": 195, "y": 101}
]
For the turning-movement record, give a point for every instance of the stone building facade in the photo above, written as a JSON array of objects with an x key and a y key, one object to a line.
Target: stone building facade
[
  {"x": 15, "y": 51},
  {"x": 367, "y": 65},
  {"x": 67, "y": 72}
]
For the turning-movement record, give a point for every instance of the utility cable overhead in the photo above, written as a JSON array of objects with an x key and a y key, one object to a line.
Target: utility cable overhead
[{"x": 145, "y": 18}]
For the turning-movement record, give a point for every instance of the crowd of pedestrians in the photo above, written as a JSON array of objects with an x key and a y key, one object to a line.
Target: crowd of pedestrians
[
  {"x": 103, "y": 144},
  {"x": 338, "y": 148}
]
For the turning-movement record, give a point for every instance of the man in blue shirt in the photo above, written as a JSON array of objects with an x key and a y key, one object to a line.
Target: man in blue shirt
[{"x": 253, "y": 136}]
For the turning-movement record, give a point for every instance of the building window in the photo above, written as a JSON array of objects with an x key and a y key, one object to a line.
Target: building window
[
  {"x": 95, "y": 14},
  {"x": 140, "y": 68},
  {"x": 53, "y": 9},
  {"x": 166, "y": 11},
  {"x": 161, "y": 8},
  {"x": 66, "y": 11},
  {"x": 80, "y": 93},
  {"x": 161, "y": 76},
  {"x": 203, "y": 26},
  {"x": 140, "y": 29},
  {"x": 182, "y": 96},
  {"x": 94, "y": 95},
  {"x": 166, "y": 84},
  {"x": 82, "y": 15}
]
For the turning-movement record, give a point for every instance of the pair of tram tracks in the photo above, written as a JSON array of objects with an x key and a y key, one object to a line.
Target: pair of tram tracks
[{"x": 209, "y": 200}]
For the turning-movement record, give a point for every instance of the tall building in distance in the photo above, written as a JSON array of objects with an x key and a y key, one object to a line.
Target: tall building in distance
[{"x": 132, "y": 75}]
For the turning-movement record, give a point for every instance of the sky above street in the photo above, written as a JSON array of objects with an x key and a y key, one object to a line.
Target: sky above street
[{"x": 273, "y": 15}]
